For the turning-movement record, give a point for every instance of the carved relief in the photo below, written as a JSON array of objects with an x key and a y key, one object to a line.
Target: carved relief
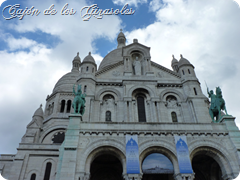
[
  {"x": 116, "y": 73},
  {"x": 83, "y": 142}
]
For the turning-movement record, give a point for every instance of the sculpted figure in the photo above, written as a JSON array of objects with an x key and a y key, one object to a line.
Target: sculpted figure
[
  {"x": 79, "y": 101},
  {"x": 137, "y": 67},
  {"x": 217, "y": 104}
]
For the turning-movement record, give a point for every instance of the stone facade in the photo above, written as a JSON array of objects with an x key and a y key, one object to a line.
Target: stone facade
[{"x": 171, "y": 101}]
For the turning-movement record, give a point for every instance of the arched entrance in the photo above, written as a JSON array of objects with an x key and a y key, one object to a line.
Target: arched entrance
[
  {"x": 157, "y": 166},
  {"x": 106, "y": 167},
  {"x": 206, "y": 168}
]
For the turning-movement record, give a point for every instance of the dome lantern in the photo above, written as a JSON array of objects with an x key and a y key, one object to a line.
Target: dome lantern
[
  {"x": 76, "y": 63},
  {"x": 121, "y": 39}
]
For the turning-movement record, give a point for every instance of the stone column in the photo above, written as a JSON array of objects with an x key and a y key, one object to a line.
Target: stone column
[
  {"x": 125, "y": 112},
  {"x": 192, "y": 110},
  {"x": 130, "y": 111},
  {"x": 158, "y": 113},
  {"x": 154, "y": 112}
]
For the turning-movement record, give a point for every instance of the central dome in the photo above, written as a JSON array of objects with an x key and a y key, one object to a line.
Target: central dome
[
  {"x": 111, "y": 58},
  {"x": 66, "y": 82}
]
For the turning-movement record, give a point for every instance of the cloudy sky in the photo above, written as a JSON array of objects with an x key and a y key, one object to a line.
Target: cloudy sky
[{"x": 37, "y": 50}]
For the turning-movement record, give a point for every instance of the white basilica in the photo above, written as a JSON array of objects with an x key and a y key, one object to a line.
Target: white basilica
[{"x": 128, "y": 94}]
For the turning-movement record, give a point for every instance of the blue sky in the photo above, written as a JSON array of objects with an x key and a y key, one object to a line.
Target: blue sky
[{"x": 36, "y": 51}]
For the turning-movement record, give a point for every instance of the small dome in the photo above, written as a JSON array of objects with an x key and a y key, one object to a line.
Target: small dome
[
  {"x": 174, "y": 61},
  {"x": 66, "y": 82},
  {"x": 77, "y": 58},
  {"x": 121, "y": 39},
  {"x": 183, "y": 61},
  {"x": 39, "y": 112},
  {"x": 121, "y": 35},
  {"x": 89, "y": 58}
]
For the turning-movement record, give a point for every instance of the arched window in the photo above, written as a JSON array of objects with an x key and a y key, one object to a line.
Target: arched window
[
  {"x": 48, "y": 171},
  {"x": 174, "y": 117},
  {"x": 183, "y": 72},
  {"x": 33, "y": 177},
  {"x": 189, "y": 71},
  {"x": 108, "y": 116},
  {"x": 81, "y": 69},
  {"x": 62, "y": 106},
  {"x": 49, "y": 109},
  {"x": 85, "y": 89},
  {"x": 52, "y": 107},
  {"x": 69, "y": 106},
  {"x": 87, "y": 68},
  {"x": 92, "y": 70},
  {"x": 141, "y": 109},
  {"x": 195, "y": 91}
]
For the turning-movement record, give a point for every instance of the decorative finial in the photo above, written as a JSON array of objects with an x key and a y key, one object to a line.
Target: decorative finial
[
  {"x": 173, "y": 56},
  {"x": 120, "y": 30},
  {"x": 77, "y": 53},
  {"x": 89, "y": 53},
  {"x": 40, "y": 105},
  {"x": 181, "y": 56}
]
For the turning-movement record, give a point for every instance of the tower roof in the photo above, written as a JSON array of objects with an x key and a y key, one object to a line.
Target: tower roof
[
  {"x": 39, "y": 112},
  {"x": 174, "y": 61},
  {"x": 183, "y": 61},
  {"x": 89, "y": 58},
  {"x": 77, "y": 58}
]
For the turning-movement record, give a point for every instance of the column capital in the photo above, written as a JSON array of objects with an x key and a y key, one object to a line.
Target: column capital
[
  {"x": 183, "y": 176},
  {"x": 227, "y": 177},
  {"x": 132, "y": 176}
]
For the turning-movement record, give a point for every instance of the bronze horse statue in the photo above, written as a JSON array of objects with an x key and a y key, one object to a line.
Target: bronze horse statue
[
  {"x": 217, "y": 104},
  {"x": 79, "y": 101}
]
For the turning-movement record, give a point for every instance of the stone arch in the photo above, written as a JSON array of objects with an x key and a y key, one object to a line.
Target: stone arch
[
  {"x": 104, "y": 91},
  {"x": 100, "y": 146},
  {"x": 172, "y": 92},
  {"x": 47, "y": 132},
  {"x": 33, "y": 171},
  {"x": 132, "y": 89},
  {"x": 165, "y": 148},
  {"x": 144, "y": 51},
  {"x": 217, "y": 152},
  {"x": 53, "y": 167}
]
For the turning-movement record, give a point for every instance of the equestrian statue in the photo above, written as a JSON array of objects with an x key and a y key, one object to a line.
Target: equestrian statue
[
  {"x": 217, "y": 104},
  {"x": 79, "y": 101}
]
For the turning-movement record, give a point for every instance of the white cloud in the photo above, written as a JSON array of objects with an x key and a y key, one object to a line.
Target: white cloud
[
  {"x": 130, "y": 2},
  {"x": 207, "y": 34},
  {"x": 31, "y": 69}
]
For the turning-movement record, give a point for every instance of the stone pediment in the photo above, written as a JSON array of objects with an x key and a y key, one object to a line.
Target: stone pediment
[
  {"x": 33, "y": 124},
  {"x": 136, "y": 47},
  {"x": 162, "y": 72},
  {"x": 114, "y": 71}
]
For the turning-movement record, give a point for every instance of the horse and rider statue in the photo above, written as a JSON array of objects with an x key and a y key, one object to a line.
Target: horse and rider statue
[
  {"x": 217, "y": 104},
  {"x": 79, "y": 101}
]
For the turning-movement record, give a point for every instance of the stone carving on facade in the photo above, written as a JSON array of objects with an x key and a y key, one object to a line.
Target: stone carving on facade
[
  {"x": 116, "y": 73},
  {"x": 137, "y": 67},
  {"x": 171, "y": 102},
  {"x": 160, "y": 74},
  {"x": 83, "y": 142}
]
